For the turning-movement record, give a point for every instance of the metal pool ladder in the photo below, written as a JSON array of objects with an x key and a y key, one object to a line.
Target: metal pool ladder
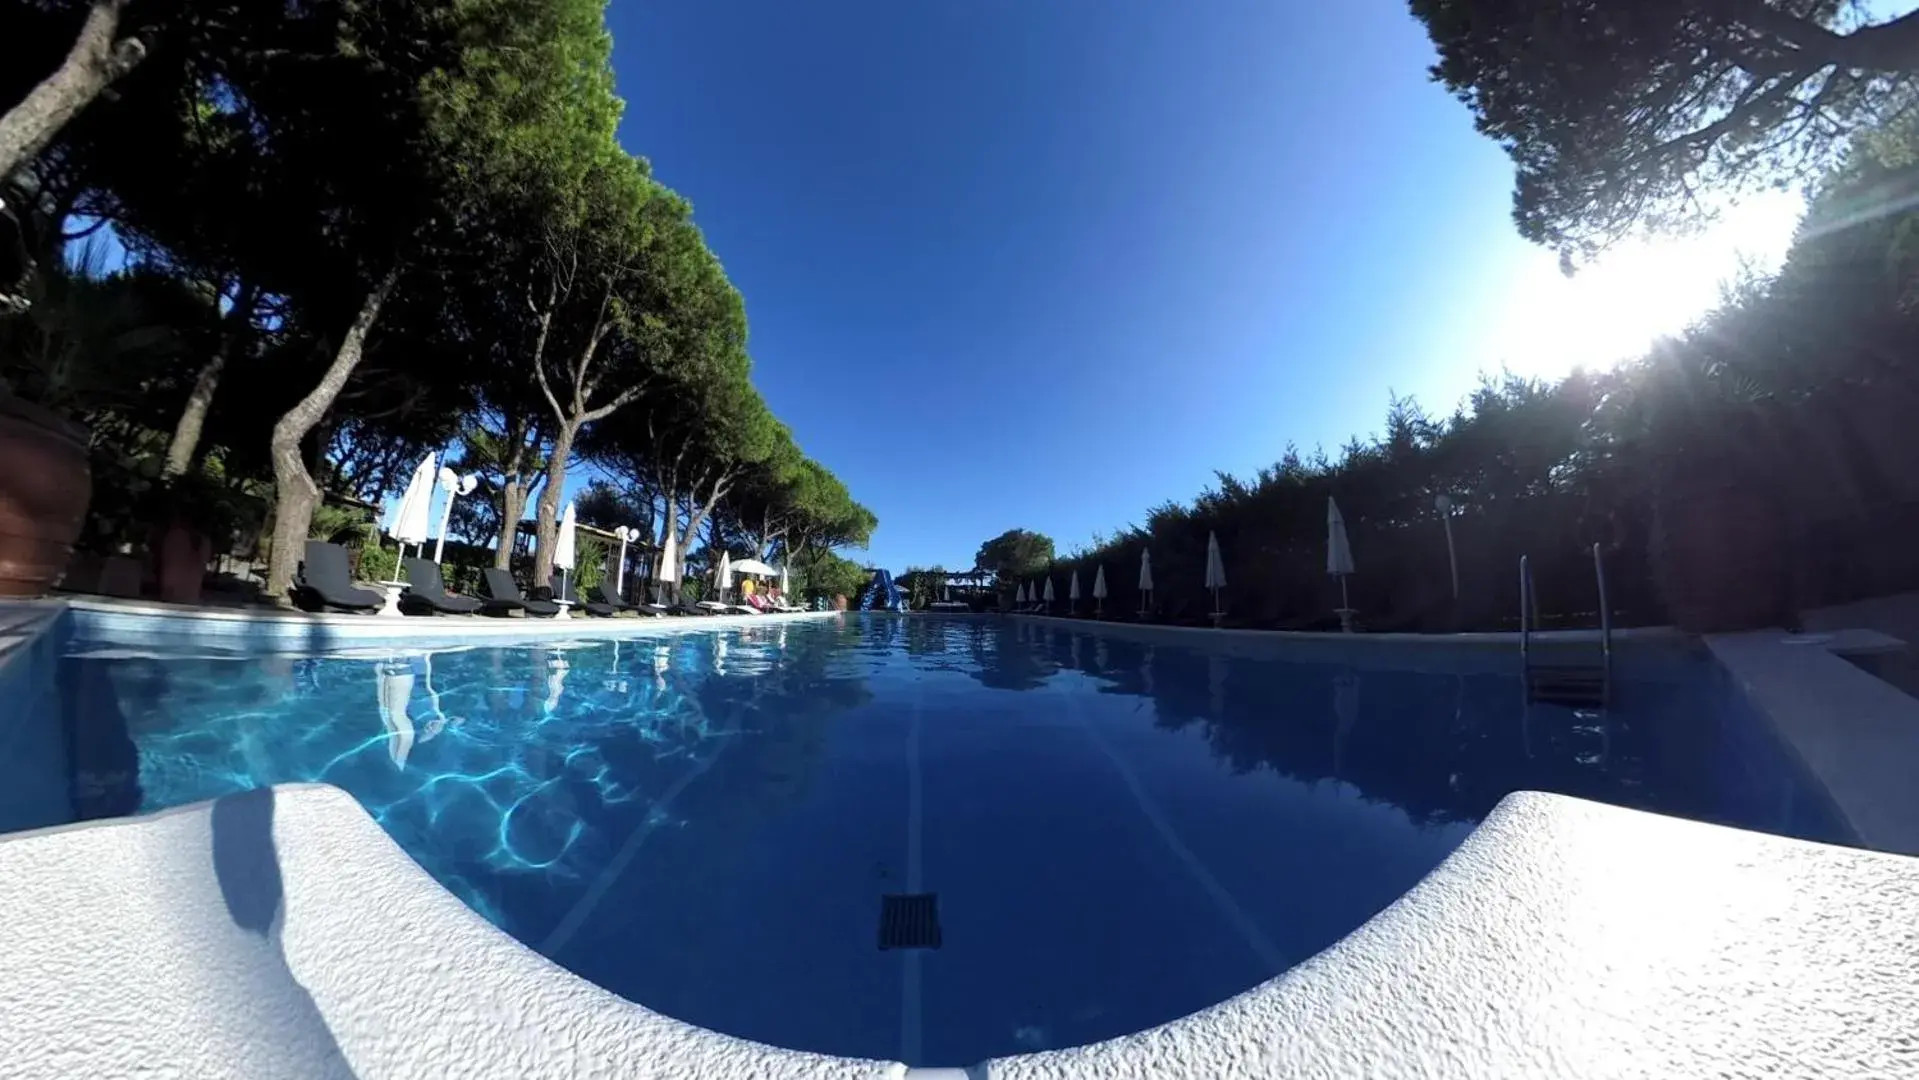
[{"x": 1585, "y": 685}]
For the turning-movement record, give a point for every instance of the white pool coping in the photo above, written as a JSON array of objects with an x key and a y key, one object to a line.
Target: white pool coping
[
  {"x": 1429, "y": 653},
  {"x": 175, "y": 625},
  {"x": 283, "y": 934},
  {"x": 1502, "y": 639},
  {"x": 1856, "y": 734}
]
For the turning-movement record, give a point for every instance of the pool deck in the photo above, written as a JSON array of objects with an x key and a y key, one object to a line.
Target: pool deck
[
  {"x": 1443, "y": 653},
  {"x": 282, "y": 933},
  {"x": 133, "y": 623},
  {"x": 1856, "y": 734}
]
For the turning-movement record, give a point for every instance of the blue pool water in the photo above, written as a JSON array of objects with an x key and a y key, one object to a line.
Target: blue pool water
[{"x": 1117, "y": 834}]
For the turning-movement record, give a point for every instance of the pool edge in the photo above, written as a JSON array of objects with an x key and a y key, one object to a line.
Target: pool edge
[{"x": 354, "y": 956}]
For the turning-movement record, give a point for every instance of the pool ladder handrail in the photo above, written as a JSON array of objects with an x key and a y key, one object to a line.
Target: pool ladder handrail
[{"x": 1529, "y": 620}]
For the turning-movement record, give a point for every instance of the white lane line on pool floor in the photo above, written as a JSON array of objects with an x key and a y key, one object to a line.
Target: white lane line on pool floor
[
  {"x": 1229, "y": 908},
  {"x": 910, "y": 973},
  {"x": 576, "y": 915}
]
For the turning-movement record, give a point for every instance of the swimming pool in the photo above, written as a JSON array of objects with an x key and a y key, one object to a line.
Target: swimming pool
[{"x": 1114, "y": 833}]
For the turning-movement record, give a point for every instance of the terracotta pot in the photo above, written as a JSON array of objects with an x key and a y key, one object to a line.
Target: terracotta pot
[
  {"x": 1719, "y": 557},
  {"x": 182, "y": 556},
  {"x": 44, "y": 489}
]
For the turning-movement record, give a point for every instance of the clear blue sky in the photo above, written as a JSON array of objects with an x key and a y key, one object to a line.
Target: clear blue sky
[{"x": 1046, "y": 263}]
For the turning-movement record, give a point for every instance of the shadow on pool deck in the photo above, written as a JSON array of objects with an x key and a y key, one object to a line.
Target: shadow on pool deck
[{"x": 248, "y": 869}]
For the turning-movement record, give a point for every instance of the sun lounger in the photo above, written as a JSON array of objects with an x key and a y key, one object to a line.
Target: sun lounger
[
  {"x": 426, "y": 592},
  {"x": 503, "y": 596},
  {"x": 572, "y": 596},
  {"x": 715, "y": 607},
  {"x": 612, "y": 599},
  {"x": 323, "y": 581}
]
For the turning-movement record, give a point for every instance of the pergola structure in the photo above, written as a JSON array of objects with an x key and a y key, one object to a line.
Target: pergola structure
[
  {"x": 969, "y": 587},
  {"x": 639, "y": 553}
]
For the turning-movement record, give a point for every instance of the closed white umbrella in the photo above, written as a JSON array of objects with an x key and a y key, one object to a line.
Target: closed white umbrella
[
  {"x": 1099, "y": 587},
  {"x": 1019, "y": 594},
  {"x": 1072, "y": 590},
  {"x": 725, "y": 579},
  {"x": 1145, "y": 580},
  {"x": 782, "y": 584},
  {"x": 565, "y": 543},
  {"x": 1339, "y": 556},
  {"x": 1215, "y": 569},
  {"x": 1048, "y": 597},
  {"x": 413, "y": 519},
  {"x": 669, "y": 568}
]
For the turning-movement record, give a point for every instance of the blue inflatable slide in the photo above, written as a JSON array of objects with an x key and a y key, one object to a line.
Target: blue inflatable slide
[{"x": 883, "y": 592}]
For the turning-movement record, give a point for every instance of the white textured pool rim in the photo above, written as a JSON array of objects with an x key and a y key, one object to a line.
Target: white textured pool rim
[{"x": 282, "y": 933}]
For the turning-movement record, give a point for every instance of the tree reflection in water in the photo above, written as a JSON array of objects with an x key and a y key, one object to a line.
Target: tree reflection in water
[{"x": 1442, "y": 744}]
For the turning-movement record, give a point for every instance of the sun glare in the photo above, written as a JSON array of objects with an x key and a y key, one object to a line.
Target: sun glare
[{"x": 1614, "y": 309}]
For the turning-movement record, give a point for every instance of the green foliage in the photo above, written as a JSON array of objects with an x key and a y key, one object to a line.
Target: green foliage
[
  {"x": 604, "y": 506},
  {"x": 343, "y": 524},
  {"x": 90, "y": 340},
  {"x": 267, "y": 167},
  {"x": 824, "y": 573},
  {"x": 589, "y": 564},
  {"x": 1618, "y": 114},
  {"x": 1015, "y": 554},
  {"x": 922, "y": 586},
  {"x": 377, "y": 563},
  {"x": 1798, "y": 394},
  {"x": 208, "y": 505}
]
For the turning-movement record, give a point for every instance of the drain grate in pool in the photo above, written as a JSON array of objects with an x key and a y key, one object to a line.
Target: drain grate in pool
[{"x": 910, "y": 921}]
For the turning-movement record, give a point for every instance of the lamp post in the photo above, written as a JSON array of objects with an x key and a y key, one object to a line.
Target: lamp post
[
  {"x": 1444, "y": 504},
  {"x": 454, "y": 485},
  {"x": 625, "y": 533}
]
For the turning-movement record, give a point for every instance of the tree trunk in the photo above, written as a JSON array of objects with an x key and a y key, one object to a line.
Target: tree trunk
[
  {"x": 699, "y": 510},
  {"x": 193, "y": 418},
  {"x": 512, "y": 509},
  {"x": 95, "y": 60},
  {"x": 547, "y": 528},
  {"x": 186, "y": 430},
  {"x": 513, "y": 491},
  {"x": 295, "y": 493}
]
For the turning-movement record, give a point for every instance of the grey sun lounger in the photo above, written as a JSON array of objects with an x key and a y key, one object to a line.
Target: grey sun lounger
[
  {"x": 612, "y": 600},
  {"x": 717, "y": 607},
  {"x": 323, "y": 581},
  {"x": 572, "y": 596},
  {"x": 426, "y": 592},
  {"x": 503, "y": 596}
]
